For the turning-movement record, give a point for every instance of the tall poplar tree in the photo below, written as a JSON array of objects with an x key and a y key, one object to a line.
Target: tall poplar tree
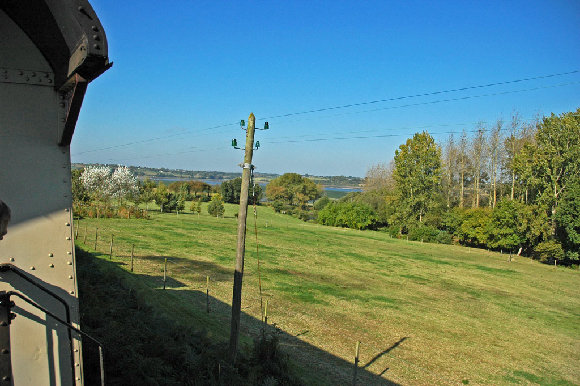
[
  {"x": 418, "y": 175},
  {"x": 478, "y": 148},
  {"x": 462, "y": 166},
  {"x": 495, "y": 157},
  {"x": 449, "y": 158}
]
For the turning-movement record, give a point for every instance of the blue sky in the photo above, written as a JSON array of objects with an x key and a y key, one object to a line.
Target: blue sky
[{"x": 186, "y": 71}]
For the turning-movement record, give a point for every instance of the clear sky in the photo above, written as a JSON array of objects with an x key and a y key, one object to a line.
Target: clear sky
[{"x": 186, "y": 71}]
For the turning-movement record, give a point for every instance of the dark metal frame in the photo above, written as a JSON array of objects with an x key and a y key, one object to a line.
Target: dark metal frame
[{"x": 6, "y": 304}]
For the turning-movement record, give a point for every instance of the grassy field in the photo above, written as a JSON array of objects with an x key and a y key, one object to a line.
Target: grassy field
[{"x": 424, "y": 313}]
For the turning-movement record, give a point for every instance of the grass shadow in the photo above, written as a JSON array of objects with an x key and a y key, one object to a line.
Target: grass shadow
[{"x": 314, "y": 365}]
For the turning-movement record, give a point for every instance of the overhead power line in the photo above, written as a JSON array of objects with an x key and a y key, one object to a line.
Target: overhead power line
[
  {"x": 153, "y": 139},
  {"x": 159, "y": 138},
  {"x": 422, "y": 95},
  {"x": 454, "y": 99},
  {"x": 382, "y": 133}
]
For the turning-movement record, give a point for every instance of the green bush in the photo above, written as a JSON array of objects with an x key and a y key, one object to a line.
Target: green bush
[
  {"x": 424, "y": 233},
  {"x": 278, "y": 206},
  {"x": 321, "y": 203},
  {"x": 474, "y": 227},
  {"x": 444, "y": 237},
  {"x": 348, "y": 214},
  {"x": 548, "y": 251},
  {"x": 216, "y": 206},
  {"x": 95, "y": 210},
  {"x": 506, "y": 230},
  {"x": 394, "y": 231}
]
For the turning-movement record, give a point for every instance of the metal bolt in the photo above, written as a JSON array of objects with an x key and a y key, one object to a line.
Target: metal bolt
[
  {"x": 67, "y": 209},
  {"x": 50, "y": 255},
  {"x": 51, "y": 265},
  {"x": 6, "y": 378},
  {"x": 50, "y": 81},
  {"x": 5, "y": 351},
  {"x": 70, "y": 276},
  {"x": 11, "y": 259},
  {"x": 95, "y": 28},
  {"x": 69, "y": 263},
  {"x": 68, "y": 252},
  {"x": 76, "y": 350},
  {"x": 32, "y": 268},
  {"x": 72, "y": 292},
  {"x": 67, "y": 224},
  {"x": 77, "y": 364},
  {"x": 96, "y": 47},
  {"x": 68, "y": 238},
  {"x": 3, "y": 324},
  {"x": 96, "y": 37}
]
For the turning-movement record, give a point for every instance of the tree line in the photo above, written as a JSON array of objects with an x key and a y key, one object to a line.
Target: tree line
[
  {"x": 102, "y": 191},
  {"x": 513, "y": 187}
]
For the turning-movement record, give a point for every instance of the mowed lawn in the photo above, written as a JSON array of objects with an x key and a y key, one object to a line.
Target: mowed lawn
[{"x": 424, "y": 313}]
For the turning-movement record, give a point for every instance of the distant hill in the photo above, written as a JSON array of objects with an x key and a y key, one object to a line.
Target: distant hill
[{"x": 161, "y": 173}]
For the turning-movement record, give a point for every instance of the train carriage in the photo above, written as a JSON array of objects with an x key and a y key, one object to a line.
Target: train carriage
[{"x": 49, "y": 51}]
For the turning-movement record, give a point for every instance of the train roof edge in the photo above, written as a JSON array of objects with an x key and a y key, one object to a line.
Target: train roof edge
[{"x": 70, "y": 36}]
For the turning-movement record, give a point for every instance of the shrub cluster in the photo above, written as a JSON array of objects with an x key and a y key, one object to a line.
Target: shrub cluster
[
  {"x": 348, "y": 214},
  {"x": 96, "y": 210}
]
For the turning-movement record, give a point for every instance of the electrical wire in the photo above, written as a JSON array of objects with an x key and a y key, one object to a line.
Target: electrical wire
[
  {"x": 422, "y": 95},
  {"x": 366, "y": 111},
  {"x": 401, "y": 132},
  {"x": 286, "y": 115}
]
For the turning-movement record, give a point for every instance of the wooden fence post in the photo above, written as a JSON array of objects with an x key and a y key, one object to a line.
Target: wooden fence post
[
  {"x": 207, "y": 294},
  {"x": 96, "y": 237},
  {"x": 356, "y": 354},
  {"x": 132, "y": 254},
  {"x": 165, "y": 273},
  {"x": 111, "y": 250},
  {"x": 85, "y": 237}
]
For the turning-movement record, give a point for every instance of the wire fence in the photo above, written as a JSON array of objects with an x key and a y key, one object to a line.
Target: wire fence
[{"x": 163, "y": 270}]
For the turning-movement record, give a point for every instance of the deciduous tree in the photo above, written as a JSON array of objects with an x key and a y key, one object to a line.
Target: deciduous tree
[
  {"x": 293, "y": 189},
  {"x": 216, "y": 206},
  {"x": 555, "y": 157},
  {"x": 418, "y": 175}
]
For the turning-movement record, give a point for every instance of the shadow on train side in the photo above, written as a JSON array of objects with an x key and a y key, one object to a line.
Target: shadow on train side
[
  {"x": 53, "y": 298},
  {"x": 144, "y": 345}
]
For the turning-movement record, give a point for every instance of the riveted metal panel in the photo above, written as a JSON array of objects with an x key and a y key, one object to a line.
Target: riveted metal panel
[{"x": 35, "y": 182}]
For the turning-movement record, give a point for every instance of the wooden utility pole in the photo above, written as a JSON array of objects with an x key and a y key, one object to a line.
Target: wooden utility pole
[{"x": 239, "y": 272}]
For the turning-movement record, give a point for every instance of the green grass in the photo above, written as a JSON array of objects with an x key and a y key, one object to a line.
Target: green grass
[{"x": 459, "y": 314}]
